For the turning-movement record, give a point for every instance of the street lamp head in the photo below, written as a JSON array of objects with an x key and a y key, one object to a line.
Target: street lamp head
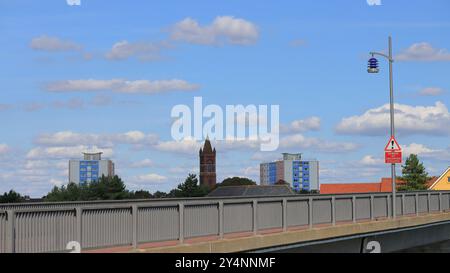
[{"x": 372, "y": 67}]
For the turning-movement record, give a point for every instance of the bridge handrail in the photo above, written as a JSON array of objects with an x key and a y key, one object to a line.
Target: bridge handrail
[
  {"x": 95, "y": 202},
  {"x": 132, "y": 222}
]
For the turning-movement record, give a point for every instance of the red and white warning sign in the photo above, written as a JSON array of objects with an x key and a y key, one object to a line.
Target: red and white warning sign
[{"x": 392, "y": 152}]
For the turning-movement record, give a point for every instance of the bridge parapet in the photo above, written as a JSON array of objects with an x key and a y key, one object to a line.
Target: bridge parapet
[{"x": 48, "y": 227}]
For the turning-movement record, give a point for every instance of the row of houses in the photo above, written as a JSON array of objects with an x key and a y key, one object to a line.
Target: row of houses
[{"x": 385, "y": 185}]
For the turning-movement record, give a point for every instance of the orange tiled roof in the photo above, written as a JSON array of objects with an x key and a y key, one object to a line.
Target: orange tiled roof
[
  {"x": 385, "y": 185},
  {"x": 349, "y": 188}
]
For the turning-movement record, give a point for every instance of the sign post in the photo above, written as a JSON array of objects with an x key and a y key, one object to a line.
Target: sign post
[{"x": 393, "y": 154}]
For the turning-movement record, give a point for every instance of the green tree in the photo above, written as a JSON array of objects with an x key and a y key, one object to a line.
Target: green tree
[
  {"x": 160, "y": 194},
  {"x": 142, "y": 194},
  {"x": 189, "y": 188},
  {"x": 106, "y": 188},
  {"x": 282, "y": 182},
  {"x": 69, "y": 192},
  {"x": 236, "y": 181},
  {"x": 11, "y": 197},
  {"x": 414, "y": 174}
]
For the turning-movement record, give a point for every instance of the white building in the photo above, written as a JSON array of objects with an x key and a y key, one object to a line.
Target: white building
[
  {"x": 299, "y": 174},
  {"x": 91, "y": 168}
]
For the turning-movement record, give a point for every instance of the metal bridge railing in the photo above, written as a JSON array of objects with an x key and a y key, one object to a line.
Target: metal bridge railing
[{"x": 48, "y": 227}]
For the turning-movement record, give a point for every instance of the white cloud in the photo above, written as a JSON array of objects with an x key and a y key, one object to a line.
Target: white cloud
[
  {"x": 265, "y": 156},
  {"x": 32, "y": 173},
  {"x": 69, "y": 138},
  {"x": 373, "y": 2},
  {"x": 427, "y": 152},
  {"x": 431, "y": 91},
  {"x": 428, "y": 120},
  {"x": 423, "y": 52},
  {"x": 299, "y": 141},
  {"x": 56, "y": 182},
  {"x": 370, "y": 160},
  {"x": 183, "y": 169},
  {"x": 252, "y": 171},
  {"x": 121, "y": 86},
  {"x": 351, "y": 172},
  {"x": 73, "y": 2},
  {"x": 143, "y": 51},
  {"x": 4, "y": 149},
  {"x": 134, "y": 137},
  {"x": 53, "y": 44},
  {"x": 186, "y": 146},
  {"x": 192, "y": 146},
  {"x": 145, "y": 163},
  {"x": 415, "y": 148},
  {"x": 151, "y": 178},
  {"x": 65, "y": 152},
  {"x": 224, "y": 29},
  {"x": 46, "y": 164},
  {"x": 302, "y": 125}
]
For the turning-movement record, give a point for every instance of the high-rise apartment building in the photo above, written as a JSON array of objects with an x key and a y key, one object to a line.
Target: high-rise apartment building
[
  {"x": 299, "y": 174},
  {"x": 91, "y": 168}
]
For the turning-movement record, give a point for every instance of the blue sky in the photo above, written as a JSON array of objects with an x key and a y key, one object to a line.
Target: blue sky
[{"x": 62, "y": 65}]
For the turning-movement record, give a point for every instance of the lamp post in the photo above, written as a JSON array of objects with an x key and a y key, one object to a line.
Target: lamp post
[{"x": 373, "y": 68}]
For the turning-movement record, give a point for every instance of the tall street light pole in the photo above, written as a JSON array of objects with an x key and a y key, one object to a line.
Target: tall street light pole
[{"x": 373, "y": 68}]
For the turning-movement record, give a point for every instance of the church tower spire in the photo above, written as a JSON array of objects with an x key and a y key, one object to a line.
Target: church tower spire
[{"x": 207, "y": 165}]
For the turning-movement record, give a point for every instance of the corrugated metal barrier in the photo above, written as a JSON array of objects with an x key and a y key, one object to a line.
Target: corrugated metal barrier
[
  {"x": 49, "y": 227},
  {"x": 3, "y": 229}
]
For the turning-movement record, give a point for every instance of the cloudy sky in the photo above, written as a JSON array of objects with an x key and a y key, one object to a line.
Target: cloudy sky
[{"x": 104, "y": 75}]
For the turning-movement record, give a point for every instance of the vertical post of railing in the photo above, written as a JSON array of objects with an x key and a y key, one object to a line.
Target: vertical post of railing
[
  {"x": 284, "y": 214},
  {"x": 354, "y": 209},
  {"x": 11, "y": 243},
  {"x": 255, "y": 216},
  {"x": 389, "y": 211},
  {"x": 181, "y": 222},
  {"x": 417, "y": 204},
  {"x": 134, "y": 214},
  {"x": 440, "y": 202},
  {"x": 372, "y": 210},
  {"x": 333, "y": 210},
  {"x": 429, "y": 202},
  {"x": 448, "y": 202},
  {"x": 310, "y": 212},
  {"x": 221, "y": 219},
  {"x": 403, "y": 205},
  {"x": 79, "y": 223}
]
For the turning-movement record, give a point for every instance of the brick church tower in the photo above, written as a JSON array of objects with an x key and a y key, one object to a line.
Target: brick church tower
[{"x": 207, "y": 165}]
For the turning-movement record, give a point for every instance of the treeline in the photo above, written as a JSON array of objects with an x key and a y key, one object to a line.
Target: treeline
[
  {"x": 13, "y": 197},
  {"x": 113, "y": 188}
]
